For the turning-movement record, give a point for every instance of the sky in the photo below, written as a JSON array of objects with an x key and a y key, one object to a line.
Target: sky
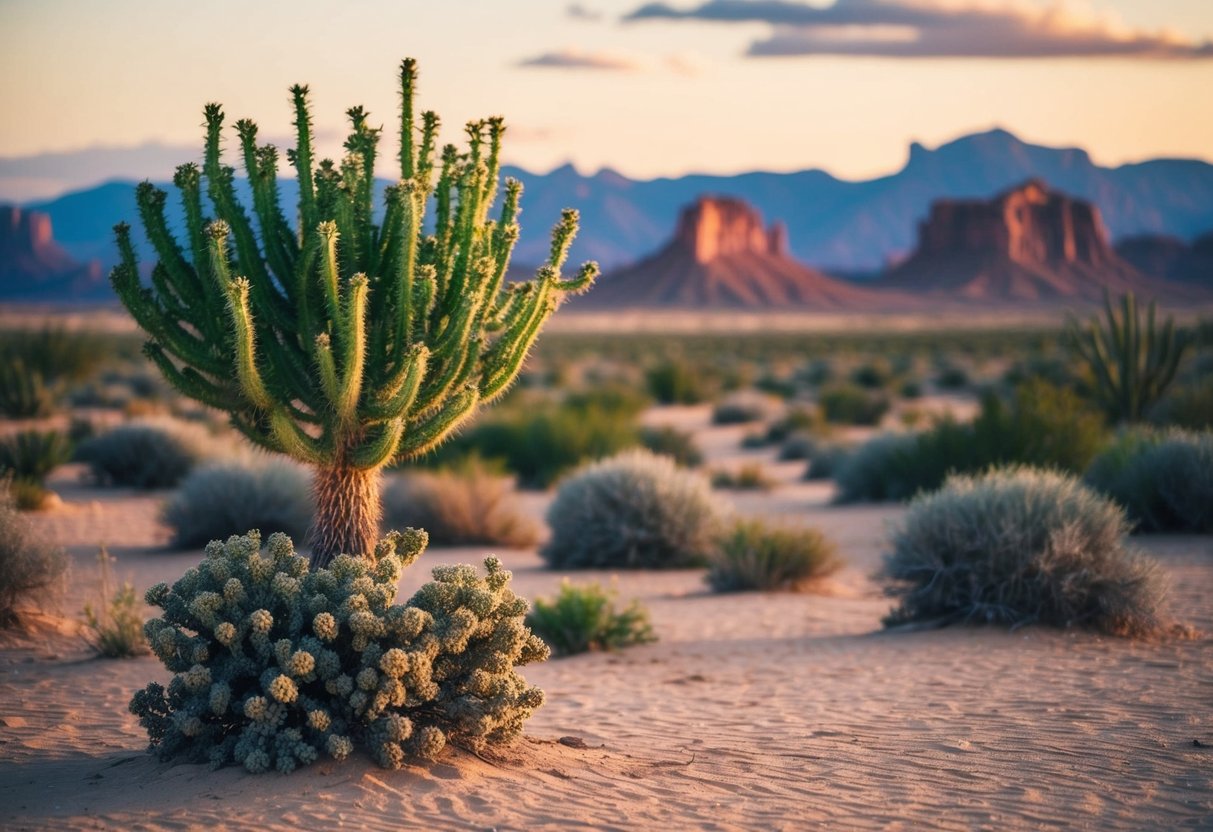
[{"x": 91, "y": 90}]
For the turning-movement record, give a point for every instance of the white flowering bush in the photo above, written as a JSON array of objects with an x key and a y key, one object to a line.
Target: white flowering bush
[{"x": 276, "y": 665}]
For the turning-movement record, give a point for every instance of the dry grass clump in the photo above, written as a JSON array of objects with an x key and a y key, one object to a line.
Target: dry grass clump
[
  {"x": 27, "y": 458},
  {"x": 463, "y": 506},
  {"x": 582, "y": 618},
  {"x": 751, "y": 476},
  {"x": 1020, "y": 546},
  {"x": 632, "y": 511},
  {"x": 219, "y": 500},
  {"x": 146, "y": 454},
  {"x": 754, "y": 555},
  {"x": 31, "y": 572},
  {"x": 114, "y": 628},
  {"x": 1163, "y": 479}
]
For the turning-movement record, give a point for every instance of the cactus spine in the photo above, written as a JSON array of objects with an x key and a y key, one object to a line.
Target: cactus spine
[
  {"x": 345, "y": 343},
  {"x": 1132, "y": 363}
]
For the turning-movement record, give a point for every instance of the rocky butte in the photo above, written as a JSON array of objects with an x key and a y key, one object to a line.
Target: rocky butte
[
  {"x": 1170, "y": 257},
  {"x": 33, "y": 267},
  {"x": 1027, "y": 244},
  {"x": 722, "y": 255}
]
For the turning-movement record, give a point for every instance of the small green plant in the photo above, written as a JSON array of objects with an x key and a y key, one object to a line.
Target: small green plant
[
  {"x": 221, "y": 499},
  {"x": 34, "y": 365},
  {"x": 1021, "y": 546},
  {"x": 849, "y": 404},
  {"x": 1133, "y": 361},
  {"x": 462, "y": 506},
  {"x": 582, "y": 618},
  {"x": 676, "y": 444},
  {"x": 27, "y": 458},
  {"x": 742, "y": 407},
  {"x": 1163, "y": 479},
  {"x": 114, "y": 628},
  {"x": 31, "y": 572},
  {"x": 146, "y": 454},
  {"x": 874, "y": 375},
  {"x": 344, "y": 343},
  {"x": 635, "y": 510},
  {"x": 23, "y": 391},
  {"x": 754, "y": 555},
  {"x": 751, "y": 476},
  {"x": 952, "y": 377},
  {"x": 677, "y": 382},
  {"x": 275, "y": 664}
]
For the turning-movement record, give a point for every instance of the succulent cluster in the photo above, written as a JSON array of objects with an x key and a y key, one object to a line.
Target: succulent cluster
[{"x": 276, "y": 665}]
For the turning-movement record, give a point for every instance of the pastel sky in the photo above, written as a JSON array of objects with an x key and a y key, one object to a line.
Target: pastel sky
[{"x": 649, "y": 89}]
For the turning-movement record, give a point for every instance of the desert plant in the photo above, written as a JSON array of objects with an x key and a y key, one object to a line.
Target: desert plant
[
  {"x": 873, "y": 375},
  {"x": 54, "y": 353},
  {"x": 849, "y": 404},
  {"x": 114, "y": 628},
  {"x": 24, "y": 393},
  {"x": 31, "y": 572},
  {"x": 1132, "y": 362},
  {"x": 275, "y": 664},
  {"x": 676, "y": 444},
  {"x": 1163, "y": 479},
  {"x": 26, "y": 458},
  {"x": 952, "y": 377},
  {"x": 825, "y": 461},
  {"x": 744, "y": 406},
  {"x": 1021, "y": 546},
  {"x": 751, "y": 476},
  {"x": 1187, "y": 406},
  {"x": 222, "y": 499},
  {"x": 145, "y": 454},
  {"x": 581, "y": 618},
  {"x": 462, "y": 506},
  {"x": 344, "y": 344},
  {"x": 677, "y": 382},
  {"x": 799, "y": 446},
  {"x": 634, "y": 510},
  {"x": 754, "y": 555}
]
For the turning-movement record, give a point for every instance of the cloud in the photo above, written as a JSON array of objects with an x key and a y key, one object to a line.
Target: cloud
[
  {"x": 935, "y": 29},
  {"x": 573, "y": 59},
  {"x": 579, "y": 12}
]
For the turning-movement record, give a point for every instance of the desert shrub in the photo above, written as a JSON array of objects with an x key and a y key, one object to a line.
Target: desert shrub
[
  {"x": 744, "y": 406},
  {"x": 634, "y": 510},
  {"x": 825, "y": 461},
  {"x": 797, "y": 420},
  {"x": 26, "y": 458},
  {"x": 1021, "y": 546},
  {"x": 222, "y": 499},
  {"x": 1042, "y": 425},
  {"x": 911, "y": 389},
  {"x": 462, "y": 506},
  {"x": 751, "y": 476},
  {"x": 774, "y": 385},
  {"x": 114, "y": 628},
  {"x": 149, "y": 454},
  {"x": 753, "y": 555},
  {"x": 873, "y": 375},
  {"x": 677, "y": 382},
  {"x": 275, "y": 664},
  {"x": 1186, "y": 406},
  {"x": 24, "y": 393},
  {"x": 539, "y": 442},
  {"x": 849, "y": 404},
  {"x": 1163, "y": 479},
  {"x": 55, "y": 353},
  {"x": 798, "y": 446},
  {"x": 31, "y": 572},
  {"x": 583, "y": 618},
  {"x": 952, "y": 377},
  {"x": 676, "y": 444}
]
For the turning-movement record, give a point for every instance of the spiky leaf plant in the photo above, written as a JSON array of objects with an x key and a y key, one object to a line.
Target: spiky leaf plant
[
  {"x": 345, "y": 343},
  {"x": 1132, "y": 361}
]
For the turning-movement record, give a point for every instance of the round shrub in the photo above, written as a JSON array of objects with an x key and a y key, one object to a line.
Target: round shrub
[
  {"x": 634, "y": 510},
  {"x": 1164, "y": 480},
  {"x": 466, "y": 506},
  {"x": 584, "y": 618},
  {"x": 31, "y": 572},
  {"x": 754, "y": 555},
  {"x": 883, "y": 468},
  {"x": 220, "y": 500},
  {"x": 148, "y": 454},
  {"x": 1021, "y": 546},
  {"x": 742, "y": 407},
  {"x": 275, "y": 664}
]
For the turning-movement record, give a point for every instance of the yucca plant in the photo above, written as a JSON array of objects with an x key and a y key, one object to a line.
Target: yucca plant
[
  {"x": 346, "y": 344},
  {"x": 23, "y": 391},
  {"x": 1132, "y": 362}
]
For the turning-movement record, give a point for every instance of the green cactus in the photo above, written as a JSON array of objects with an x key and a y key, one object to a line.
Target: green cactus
[
  {"x": 346, "y": 344},
  {"x": 1132, "y": 363}
]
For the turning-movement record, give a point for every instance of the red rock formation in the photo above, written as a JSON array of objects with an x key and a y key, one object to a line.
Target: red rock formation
[
  {"x": 723, "y": 256},
  {"x": 34, "y": 267},
  {"x": 1027, "y": 244}
]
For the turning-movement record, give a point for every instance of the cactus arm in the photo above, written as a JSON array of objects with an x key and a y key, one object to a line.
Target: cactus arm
[
  {"x": 179, "y": 286},
  {"x": 425, "y": 156},
  {"x": 189, "y": 382},
  {"x": 251, "y": 383},
  {"x": 408, "y": 86},
  {"x": 585, "y": 278},
  {"x": 428, "y": 432},
  {"x": 379, "y": 448},
  {"x": 261, "y": 167},
  {"x": 301, "y": 158},
  {"x": 294, "y": 441},
  {"x": 396, "y": 395},
  {"x": 353, "y": 338}
]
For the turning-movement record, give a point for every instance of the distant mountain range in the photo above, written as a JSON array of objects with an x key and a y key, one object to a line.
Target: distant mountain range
[{"x": 835, "y": 225}]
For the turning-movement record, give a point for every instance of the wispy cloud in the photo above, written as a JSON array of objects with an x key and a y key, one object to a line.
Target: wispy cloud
[
  {"x": 577, "y": 11},
  {"x": 936, "y": 29},
  {"x": 573, "y": 59}
]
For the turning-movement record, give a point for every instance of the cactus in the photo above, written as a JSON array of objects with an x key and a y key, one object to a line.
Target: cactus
[
  {"x": 346, "y": 344},
  {"x": 1132, "y": 364}
]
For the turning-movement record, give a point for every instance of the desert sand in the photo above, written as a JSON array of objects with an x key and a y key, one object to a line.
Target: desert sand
[{"x": 753, "y": 711}]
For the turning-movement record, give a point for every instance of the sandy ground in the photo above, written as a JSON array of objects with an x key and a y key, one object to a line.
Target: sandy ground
[{"x": 753, "y": 711}]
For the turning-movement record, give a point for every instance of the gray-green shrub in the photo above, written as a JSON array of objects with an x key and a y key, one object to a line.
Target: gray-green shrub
[
  {"x": 634, "y": 510},
  {"x": 147, "y": 454},
  {"x": 221, "y": 499},
  {"x": 755, "y": 555},
  {"x": 1021, "y": 546},
  {"x": 275, "y": 664},
  {"x": 31, "y": 572},
  {"x": 1163, "y": 479},
  {"x": 581, "y": 618}
]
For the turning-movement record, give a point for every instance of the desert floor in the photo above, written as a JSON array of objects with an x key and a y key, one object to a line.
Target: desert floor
[{"x": 753, "y": 711}]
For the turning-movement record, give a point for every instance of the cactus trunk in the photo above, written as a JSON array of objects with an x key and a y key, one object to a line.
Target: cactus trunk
[{"x": 347, "y": 513}]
